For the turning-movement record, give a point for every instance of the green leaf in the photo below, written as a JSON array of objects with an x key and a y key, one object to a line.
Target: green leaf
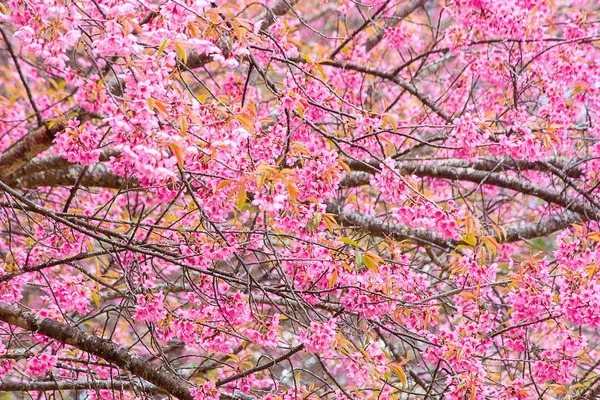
[{"x": 359, "y": 259}]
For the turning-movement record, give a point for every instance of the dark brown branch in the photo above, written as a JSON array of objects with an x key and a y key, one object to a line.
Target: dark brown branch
[
  {"x": 56, "y": 162},
  {"x": 100, "y": 176},
  {"x": 280, "y": 8},
  {"x": 33, "y": 143},
  {"x": 105, "y": 349},
  {"x": 543, "y": 227},
  {"x": 49, "y": 264},
  {"x": 259, "y": 368},
  {"x": 350, "y": 37},
  {"x": 426, "y": 237},
  {"x": 408, "y": 86}
]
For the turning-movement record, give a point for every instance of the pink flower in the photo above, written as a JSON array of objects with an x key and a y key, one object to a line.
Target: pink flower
[
  {"x": 150, "y": 307},
  {"x": 389, "y": 182},
  {"x": 208, "y": 391},
  {"x": 320, "y": 337},
  {"x": 41, "y": 363}
]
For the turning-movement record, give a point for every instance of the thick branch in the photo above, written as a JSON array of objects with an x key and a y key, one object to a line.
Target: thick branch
[
  {"x": 543, "y": 227},
  {"x": 56, "y": 162},
  {"x": 98, "y": 175},
  {"x": 32, "y": 144},
  {"x": 194, "y": 60},
  {"x": 105, "y": 349},
  {"x": 278, "y": 9},
  {"x": 394, "y": 20},
  {"x": 377, "y": 227},
  {"x": 567, "y": 166},
  {"x": 438, "y": 170},
  {"x": 117, "y": 385}
]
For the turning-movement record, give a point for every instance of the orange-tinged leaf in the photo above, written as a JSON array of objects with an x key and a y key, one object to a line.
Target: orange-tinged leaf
[
  {"x": 246, "y": 122},
  {"x": 293, "y": 192},
  {"x": 161, "y": 106},
  {"x": 591, "y": 270},
  {"x": 193, "y": 30},
  {"x": 324, "y": 60},
  {"x": 300, "y": 109},
  {"x": 371, "y": 261},
  {"x": 595, "y": 236},
  {"x": 344, "y": 165},
  {"x": 224, "y": 183},
  {"x": 306, "y": 58},
  {"x": 178, "y": 153},
  {"x": 330, "y": 222},
  {"x": 163, "y": 45},
  {"x": 467, "y": 295},
  {"x": 184, "y": 126},
  {"x": 229, "y": 5},
  {"x": 400, "y": 372},
  {"x": 96, "y": 299}
]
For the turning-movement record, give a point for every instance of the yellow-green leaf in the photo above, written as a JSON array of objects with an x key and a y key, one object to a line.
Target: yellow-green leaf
[
  {"x": 163, "y": 45},
  {"x": 181, "y": 52},
  {"x": 349, "y": 241},
  {"x": 242, "y": 196},
  {"x": 400, "y": 372}
]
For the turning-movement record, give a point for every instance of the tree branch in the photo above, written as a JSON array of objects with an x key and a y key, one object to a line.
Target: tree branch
[
  {"x": 377, "y": 227},
  {"x": 194, "y": 60},
  {"x": 98, "y": 175},
  {"x": 47, "y": 386},
  {"x": 468, "y": 174},
  {"x": 568, "y": 167},
  {"x": 105, "y": 349},
  {"x": 408, "y": 86},
  {"x": 33, "y": 143},
  {"x": 394, "y": 20},
  {"x": 56, "y": 162}
]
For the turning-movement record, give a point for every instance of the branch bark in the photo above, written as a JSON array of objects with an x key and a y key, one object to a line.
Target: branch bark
[
  {"x": 48, "y": 386},
  {"x": 468, "y": 174},
  {"x": 105, "y": 349},
  {"x": 98, "y": 175},
  {"x": 377, "y": 227},
  {"x": 195, "y": 60},
  {"x": 394, "y": 20},
  {"x": 33, "y": 143}
]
